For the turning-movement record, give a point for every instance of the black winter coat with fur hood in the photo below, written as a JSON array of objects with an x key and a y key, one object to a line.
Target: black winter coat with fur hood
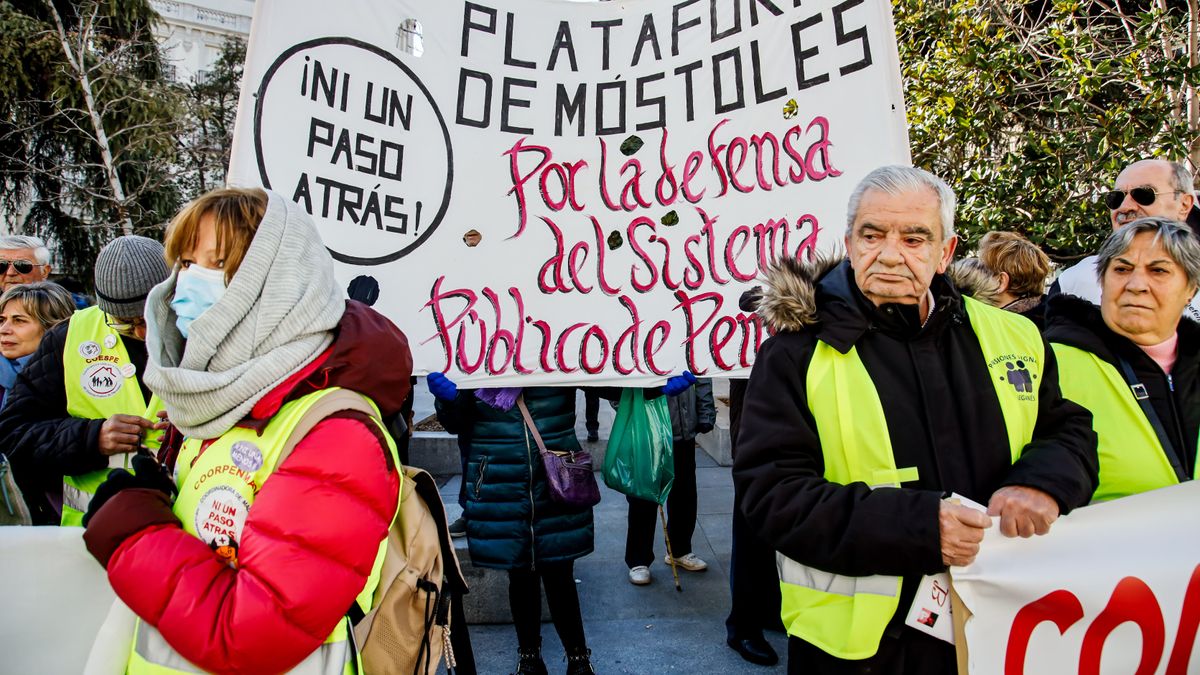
[{"x": 942, "y": 415}]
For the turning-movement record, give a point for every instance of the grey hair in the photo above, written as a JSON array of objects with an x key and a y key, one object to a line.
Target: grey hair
[
  {"x": 1181, "y": 177},
  {"x": 1177, "y": 239},
  {"x": 15, "y": 241},
  {"x": 897, "y": 179}
]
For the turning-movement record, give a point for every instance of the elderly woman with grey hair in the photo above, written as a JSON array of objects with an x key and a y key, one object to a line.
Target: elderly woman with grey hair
[{"x": 1134, "y": 361}]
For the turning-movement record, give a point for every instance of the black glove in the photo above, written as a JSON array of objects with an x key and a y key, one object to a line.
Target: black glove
[
  {"x": 147, "y": 474},
  {"x": 704, "y": 427}
]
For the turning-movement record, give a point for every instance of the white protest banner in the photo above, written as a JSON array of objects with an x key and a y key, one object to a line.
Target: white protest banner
[
  {"x": 1114, "y": 588},
  {"x": 627, "y": 169},
  {"x": 55, "y": 597}
]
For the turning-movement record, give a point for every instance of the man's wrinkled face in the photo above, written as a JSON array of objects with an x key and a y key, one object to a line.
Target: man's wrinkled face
[
  {"x": 21, "y": 267},
  {"x": 1155, "y": 175},
  {"x": 896, "y": 245}
]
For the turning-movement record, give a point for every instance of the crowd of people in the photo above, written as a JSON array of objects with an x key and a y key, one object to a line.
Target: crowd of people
[
  {"x": 891, "y": 400},
  {"x": 897, "y": 388}
]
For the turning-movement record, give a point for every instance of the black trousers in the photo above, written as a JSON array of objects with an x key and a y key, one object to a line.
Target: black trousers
[
  {"x": 591, "y": 411},
  {"x": 525, "y": 601},
  {"x": 681, "y": 512},
  {"x": 909, "y": 652},
  {"x": 753, "y": 581}
]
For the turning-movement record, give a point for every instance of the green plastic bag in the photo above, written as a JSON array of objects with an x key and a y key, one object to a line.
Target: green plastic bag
[{"x": 638, "y": 460}]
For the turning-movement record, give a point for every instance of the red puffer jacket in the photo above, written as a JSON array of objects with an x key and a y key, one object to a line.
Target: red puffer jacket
[{"x": 310, "y": 537}]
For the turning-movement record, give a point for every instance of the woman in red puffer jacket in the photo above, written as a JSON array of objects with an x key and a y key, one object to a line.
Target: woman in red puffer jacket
[{"x": 240, "y": 574}]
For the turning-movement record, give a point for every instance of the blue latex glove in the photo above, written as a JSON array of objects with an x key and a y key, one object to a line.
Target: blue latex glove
[
  {"x": 679, "y": 383},
  {"x": 441, "y": 386}
]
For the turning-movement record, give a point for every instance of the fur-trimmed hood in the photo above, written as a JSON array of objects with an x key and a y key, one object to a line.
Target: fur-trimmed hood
[
  {"x": 789, "y": 296},
  {"x": 972, "y": 278},
  {"x": 821, "y": 295}
]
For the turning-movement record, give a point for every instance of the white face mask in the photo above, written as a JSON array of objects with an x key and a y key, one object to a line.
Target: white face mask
[{"x": 196, "y": 289}]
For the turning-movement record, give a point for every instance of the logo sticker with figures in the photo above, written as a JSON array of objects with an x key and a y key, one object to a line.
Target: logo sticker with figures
[
  {"x": 246, "y": 456},
  {"x": 220, "y": 516},
  {"x": 1018, "y": 371},
  {"x": 102, "y": 380},
  {"x": 89, "y": 349},
  {"x": 110, "y": 341}
]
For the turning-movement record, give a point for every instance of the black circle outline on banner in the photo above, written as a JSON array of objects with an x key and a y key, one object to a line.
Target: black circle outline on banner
[{"x": 262, "y": 169}]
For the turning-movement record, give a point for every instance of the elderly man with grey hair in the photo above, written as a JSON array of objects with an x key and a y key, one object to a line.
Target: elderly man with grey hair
[
  {"x": 23, "y": 260},
  {"x": 1147, "y": 188},
  {"x": 882, "y": 393},
  {"x": 1134, "y": 361}
]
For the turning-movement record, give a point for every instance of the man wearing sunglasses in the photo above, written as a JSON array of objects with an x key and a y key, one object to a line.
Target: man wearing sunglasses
[
  {"x": 79, "y": 407},
  {"x": 1150, "y": 187},
  {"x": 23, "y": 260}
]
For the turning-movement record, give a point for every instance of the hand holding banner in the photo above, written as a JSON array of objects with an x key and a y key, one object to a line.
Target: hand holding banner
[{"x": 1114, "y": 588}]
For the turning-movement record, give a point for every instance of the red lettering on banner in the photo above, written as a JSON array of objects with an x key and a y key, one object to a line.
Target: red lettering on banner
[
  {"x": 1061, "y": 608},
  {"x": 565, "y": 171},
  {"x": 462, "y": 320},
  {"x": 489, "y": 337},
  {"x": 1132, "y": 601},
  {"x": 1189, "y": 621},
  {"x": 558, "y": 183}
]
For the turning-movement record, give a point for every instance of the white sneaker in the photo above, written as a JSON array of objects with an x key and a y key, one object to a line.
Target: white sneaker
[
  {"x": 639, "y": 576},
  {"x": 688, "y": 562}
]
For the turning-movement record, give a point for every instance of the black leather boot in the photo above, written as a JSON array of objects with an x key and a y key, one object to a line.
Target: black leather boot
[
  {"x": 529, "y": 662},
  {"x": 579, "y": 662}
]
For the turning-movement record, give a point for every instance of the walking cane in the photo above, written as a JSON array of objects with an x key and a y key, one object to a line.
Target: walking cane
[{"x": 670, "y": 555}]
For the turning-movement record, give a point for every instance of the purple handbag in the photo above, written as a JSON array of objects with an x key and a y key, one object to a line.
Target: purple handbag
[{"x": 570, "y": 475}]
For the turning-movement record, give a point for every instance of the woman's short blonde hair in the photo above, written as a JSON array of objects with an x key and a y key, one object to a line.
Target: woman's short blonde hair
[
  {"x": 44, "y": 301},
  {"x": 237, "y": 212},
  {"x": 1026, "y": 265}
]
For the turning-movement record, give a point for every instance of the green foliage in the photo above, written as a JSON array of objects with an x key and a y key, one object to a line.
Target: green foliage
[
  {"x": 1030, "y": 109},
  {"x": 53, "y": 180}
]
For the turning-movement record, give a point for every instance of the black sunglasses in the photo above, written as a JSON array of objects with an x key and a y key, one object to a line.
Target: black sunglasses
[
  {"x": 22, "y": 266},
  {"x": 1142, "y": 195}
]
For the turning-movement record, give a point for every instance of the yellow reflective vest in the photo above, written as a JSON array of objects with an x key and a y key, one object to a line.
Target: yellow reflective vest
[
  {"x": 1132, "y": 458},
  {"x": 100, "y": 381},
  {"x": 842, "y": 615},
  {"x": 217, "y": 488}
]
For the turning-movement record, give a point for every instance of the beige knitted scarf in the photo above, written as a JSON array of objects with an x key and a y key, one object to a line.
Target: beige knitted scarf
[{"x": 276, "y": 316}]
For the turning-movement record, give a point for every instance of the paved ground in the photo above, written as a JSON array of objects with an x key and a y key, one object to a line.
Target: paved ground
[{"x": 648, "y": 629}]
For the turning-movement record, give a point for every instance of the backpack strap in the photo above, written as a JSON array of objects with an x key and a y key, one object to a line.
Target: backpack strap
[
  {"x": 336, "y": 400},
  {"x": 426, "y": 488}
]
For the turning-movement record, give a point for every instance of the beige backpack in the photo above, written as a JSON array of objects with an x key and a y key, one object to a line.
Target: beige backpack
[{"x": 407, "y": 631}]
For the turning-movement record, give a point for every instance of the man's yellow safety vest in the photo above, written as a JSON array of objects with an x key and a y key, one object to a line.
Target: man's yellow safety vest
[
  {"x": 100, "y": 381},
  {"x": 842, "y": 615},
  {"x": 1132, "y": 458},
  {"x": 217, "y": 488}
]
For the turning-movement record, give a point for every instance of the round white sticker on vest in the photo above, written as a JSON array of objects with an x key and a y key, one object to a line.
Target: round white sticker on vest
[
  {"x": 110, "y": 341},
  {"x": 246, "y": 456},
  {"x": 129, "y": 370},
  {"x": 89, "y": 349},
  {"x": 220, "y": 516},
  {"x": 102, "y": 380}
]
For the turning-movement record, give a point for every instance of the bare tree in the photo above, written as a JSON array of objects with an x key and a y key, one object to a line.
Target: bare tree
[{"x": 75, "y": 55}]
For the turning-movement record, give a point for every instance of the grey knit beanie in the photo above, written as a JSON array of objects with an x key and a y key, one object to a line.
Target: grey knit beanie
[{"x": 126, "y": 269}]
